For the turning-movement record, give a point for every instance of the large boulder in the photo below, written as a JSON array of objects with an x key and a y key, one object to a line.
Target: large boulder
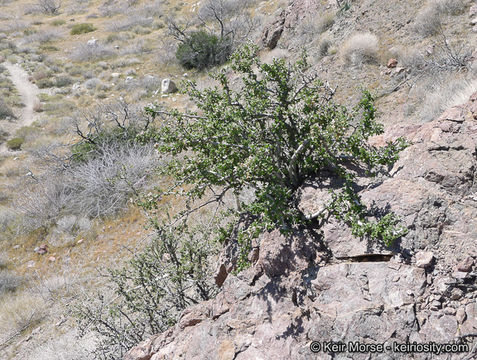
[{"x": 422, "y": 290}]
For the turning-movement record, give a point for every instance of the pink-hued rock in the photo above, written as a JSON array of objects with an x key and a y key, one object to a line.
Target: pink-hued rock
[
  {"x": 392, "y": 63},
  {"x": 293, "y": 294},
  {"x": 466, "y": 264},
  {"x": 424, "y": 259}
]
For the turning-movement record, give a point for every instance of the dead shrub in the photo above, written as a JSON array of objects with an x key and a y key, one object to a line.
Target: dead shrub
[
  {"x": 99, "y": 176},
  {"x": 360, "y": 48},
  {"x": 85, "y": 52},
  {"x": 43, "y": 36},
  {"x": 428, "y": 22}
]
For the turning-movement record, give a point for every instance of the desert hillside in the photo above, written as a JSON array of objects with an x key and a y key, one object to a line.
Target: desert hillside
[{"x": 226, "y": 179}]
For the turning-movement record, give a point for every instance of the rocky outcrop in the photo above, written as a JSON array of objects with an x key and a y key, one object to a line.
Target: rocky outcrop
[
  {"x": 287, "y": 19},
  {"x": 331, "y": 287}
]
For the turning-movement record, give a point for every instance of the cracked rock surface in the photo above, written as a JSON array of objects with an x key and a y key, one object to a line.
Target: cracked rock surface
[{"x": 296, "y": 292}]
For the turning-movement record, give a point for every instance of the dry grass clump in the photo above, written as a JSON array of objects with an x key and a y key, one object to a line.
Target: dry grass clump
[
  {"x": 64, "y": 346},
  {"x": 125, "y": 62},
  {"x": 43, "y": 36},
  {"x": 429, "y": 20},
  {"x": 18, "y": 312},
  {"x": 77, "y": 7},
  {"x": 325, "y": 22},
  {"x": 85, "y": 52},
  {"x": 450, "y": 7},
  {"x": 138, "y": 47},
  {"x": 93, "y": 83},
  {"x": 129, "y": 22},
  {"x": 97, "y": 180},
  {"x": 438, "y": 94},
  {"x": 9, "y": 282},
  {"x": 99, "y": 187},
  {"x": 324, "y": 46},
  {"x": 5, "y": 111},
  {"x": 360, "y": 48}
]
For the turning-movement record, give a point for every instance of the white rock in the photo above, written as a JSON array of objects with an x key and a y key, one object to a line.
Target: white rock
[
  {"x": 168, "y": 86},
  {"x": 424, "y": 259}
]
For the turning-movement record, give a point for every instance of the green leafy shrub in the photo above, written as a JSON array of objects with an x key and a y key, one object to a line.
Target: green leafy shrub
[
  {"x": 201, "y": 50},
  {"x": 152, "y": 290},
  {"x": 15, "y": 143},
  {"x": 280, "y": 129},
  {"x": 82, "y": 28}
]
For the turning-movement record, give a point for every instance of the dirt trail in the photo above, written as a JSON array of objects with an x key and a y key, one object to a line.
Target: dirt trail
[{"x": 29, "y": 95}]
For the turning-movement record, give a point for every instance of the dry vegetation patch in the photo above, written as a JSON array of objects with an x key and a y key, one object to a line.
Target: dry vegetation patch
[{"x": 360, "y": 48}]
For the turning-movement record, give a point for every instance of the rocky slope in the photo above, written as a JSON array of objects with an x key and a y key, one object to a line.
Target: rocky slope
[{"x": 296, "y": 292}]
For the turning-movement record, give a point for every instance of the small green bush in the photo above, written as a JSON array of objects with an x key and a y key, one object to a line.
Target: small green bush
[
  {"x": 58, "y": 22},
  {"x": 277, "y": 132},
  {"x": 82, "y": 28},
  {"x": 15, "y": 143},
  {"x": 201, "y": 50}
]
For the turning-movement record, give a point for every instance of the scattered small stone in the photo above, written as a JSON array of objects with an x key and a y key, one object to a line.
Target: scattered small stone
[
  {"x": 459, "y": 274},
  {"x": 42, "y": 249},
  {"x": 394, "y": 265},
  {"x": 80, "y": 241},
  {"x": 460, "y": 315},
  {"x": 221, "y": 275},
  {"x": 429, "y": 279},
  {"x": 449, "y": 311},
  {"x": 466, "y": 265},
  {"x": 435, "y": 305},
  {"x": 456, "y": 294},
  {"x": 115, "y": 75},
  {"x": 398, "y": 70},
  {"x": 168, "y": 86},
  {"x": 51, "y": 259},
  {"x": 92, "y": 42},
  {"x": 473, "y": 10},
  {"x": 16, "y": 247},
  {"x": 392, "y": 63},
  {"x": 424, "y": 259}
]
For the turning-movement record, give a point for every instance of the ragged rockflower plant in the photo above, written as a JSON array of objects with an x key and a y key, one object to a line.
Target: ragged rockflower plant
[{"x": 275, "y": 131}]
